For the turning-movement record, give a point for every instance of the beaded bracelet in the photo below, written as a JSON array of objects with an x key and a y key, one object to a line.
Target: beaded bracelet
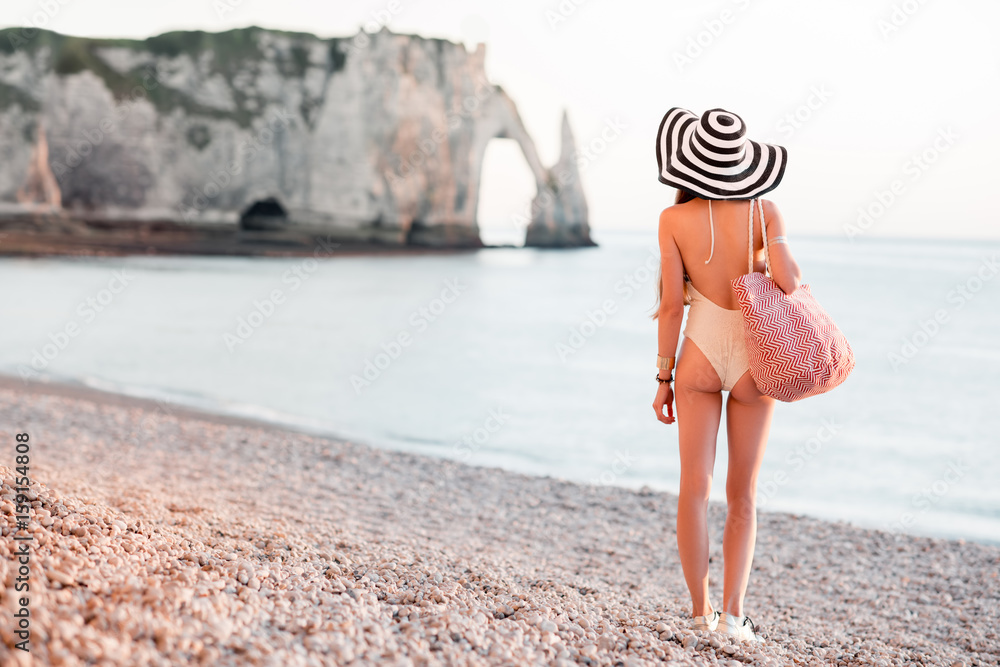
[{"x": 662, "y": 381}]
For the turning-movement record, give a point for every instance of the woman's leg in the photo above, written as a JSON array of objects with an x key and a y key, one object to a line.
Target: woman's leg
[
  {"x": 748, "y": 422},
  {"x": 697, "y": 391}
]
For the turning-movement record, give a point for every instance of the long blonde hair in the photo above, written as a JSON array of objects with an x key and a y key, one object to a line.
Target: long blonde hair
[{"x": 681, "y": 197}]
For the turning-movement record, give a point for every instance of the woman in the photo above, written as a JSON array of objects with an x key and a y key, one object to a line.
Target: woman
[{"x": 704, "y": 244}]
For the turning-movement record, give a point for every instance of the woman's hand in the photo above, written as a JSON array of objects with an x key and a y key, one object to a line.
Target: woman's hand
[{"x": 664, "y": 397}]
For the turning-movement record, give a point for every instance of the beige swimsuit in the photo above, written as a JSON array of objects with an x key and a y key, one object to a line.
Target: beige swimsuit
[{"x": 717, "y": 331}]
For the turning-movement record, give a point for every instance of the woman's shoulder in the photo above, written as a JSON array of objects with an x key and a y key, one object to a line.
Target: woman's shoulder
[
  {"x": 770, "y": 206},
  {"x": 674, "y": 212},
  {"x": 772, "y": 214}
]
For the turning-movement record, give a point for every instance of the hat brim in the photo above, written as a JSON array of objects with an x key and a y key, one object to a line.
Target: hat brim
[{"x": 682, "y": 165}]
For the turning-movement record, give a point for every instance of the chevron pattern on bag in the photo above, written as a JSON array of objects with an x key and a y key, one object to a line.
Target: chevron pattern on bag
[{"x": 795, "y": 349}]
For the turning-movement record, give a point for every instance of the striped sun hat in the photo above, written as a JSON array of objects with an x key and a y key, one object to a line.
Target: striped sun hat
[{"x": 712, "y": 158}]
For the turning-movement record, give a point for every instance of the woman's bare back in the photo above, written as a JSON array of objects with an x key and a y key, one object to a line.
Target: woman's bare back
[{"x": 693, "y": 237}]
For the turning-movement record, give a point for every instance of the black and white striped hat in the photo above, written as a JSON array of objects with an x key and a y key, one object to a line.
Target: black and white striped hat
[{"x": 712, "y": 158}]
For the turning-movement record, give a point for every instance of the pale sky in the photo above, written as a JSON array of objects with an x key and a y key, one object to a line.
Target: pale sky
[{"x": 888, "y": 81}]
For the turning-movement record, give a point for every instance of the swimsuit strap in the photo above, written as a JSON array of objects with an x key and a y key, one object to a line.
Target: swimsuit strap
[{"x": 711, "y": 226}]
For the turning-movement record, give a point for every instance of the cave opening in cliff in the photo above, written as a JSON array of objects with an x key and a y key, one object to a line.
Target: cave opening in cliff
[
  {"x": 506, "y": 189},
  {"x": 264, "y": 214}
]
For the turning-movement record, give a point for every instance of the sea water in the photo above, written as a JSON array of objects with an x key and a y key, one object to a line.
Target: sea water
[{"x": 542, "y": 362}]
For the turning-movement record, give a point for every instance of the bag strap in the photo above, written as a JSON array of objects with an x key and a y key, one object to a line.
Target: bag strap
[{"x": 763, "y": 232}]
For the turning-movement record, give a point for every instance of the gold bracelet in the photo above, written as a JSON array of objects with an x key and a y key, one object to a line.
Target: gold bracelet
[{"x": 665, "y": 363}]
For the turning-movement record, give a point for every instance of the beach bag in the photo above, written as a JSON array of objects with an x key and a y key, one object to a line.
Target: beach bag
[{"x": 795, "y": 349}]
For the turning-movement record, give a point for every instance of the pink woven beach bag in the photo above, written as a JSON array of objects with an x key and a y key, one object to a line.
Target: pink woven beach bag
[{"x": 795, "y": 349}]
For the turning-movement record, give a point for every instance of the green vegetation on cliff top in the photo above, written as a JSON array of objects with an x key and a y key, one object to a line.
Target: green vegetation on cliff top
[{"x": 231, "y": 51}]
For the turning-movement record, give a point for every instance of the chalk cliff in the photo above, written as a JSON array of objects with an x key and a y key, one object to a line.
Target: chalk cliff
[
  {"x": 376, "y": 137},
  {"x": 559, "y": 210}
]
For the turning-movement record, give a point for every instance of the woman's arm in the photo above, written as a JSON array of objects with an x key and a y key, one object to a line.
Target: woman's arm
[
  {"x": 784, "y": 269},
  {"x": 671, "y": 311}
]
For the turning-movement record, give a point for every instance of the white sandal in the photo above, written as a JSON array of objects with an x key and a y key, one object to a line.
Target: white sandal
[
  {"x": 708, "y": 622},
  {"x": 740, "y": 627}
]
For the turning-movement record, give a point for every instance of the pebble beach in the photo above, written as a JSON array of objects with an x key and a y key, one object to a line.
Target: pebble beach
[{"x": 166, "y": 536}]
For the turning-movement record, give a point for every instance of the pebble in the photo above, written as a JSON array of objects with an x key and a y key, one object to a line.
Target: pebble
[
  {"x": 63, "y": 578},
  {"x": 548, "y": 626},
  {"x": 215, "y": 546}
]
